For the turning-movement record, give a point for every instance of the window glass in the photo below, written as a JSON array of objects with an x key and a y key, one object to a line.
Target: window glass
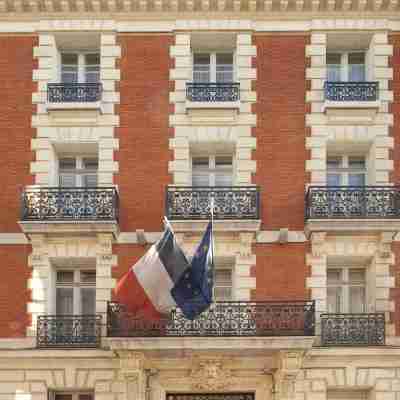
[
  {"x": 333, "y": 62},
  {"x": 356, "y": 179},
  {"x": 201, "y": 67},
  {"x": 222, "y": 284},
  {"x": 92, "y": 68},
  {"x": 69, "y": 68},
  {"x": 64, "y": 301},
  {"x": 224, "y": 67},
  {"x": 356, "y": 67},
  {"x": 333, "y": 180},
  {"x": 357, "y": 163},
  {"x": 88, "y": 277},
  {"x": 67, "y": 163},
  {"x": 65, "y": 277},
  {"x": 333, "y": 162},
  {"x": 88, "y": 301}
]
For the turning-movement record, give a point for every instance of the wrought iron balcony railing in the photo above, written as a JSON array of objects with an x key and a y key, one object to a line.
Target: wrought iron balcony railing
[
  {"x": 74, "y": 92},
  {"x": 368, "y": 202},
  {"x": 240, "y": 202},
  {"x": 353, "y": 329},
  {"x": 212, "y": 92},
  {"x": 235, "y": 318},
  {"x": 56, "y": 331},
  {"x": 70, "y": 204},
  {"x": 351, "y": 91}
]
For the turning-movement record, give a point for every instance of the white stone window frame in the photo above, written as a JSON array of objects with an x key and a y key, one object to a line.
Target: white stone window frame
[
  {"x": 344, "y": 62},
  {"x": 81, "y": 63},
  {"x": 344, "y": 169},
  {"x": 213, "y": 63},
  {"x": 212, "y": 166},
  {"x": 345, "y": 286},
  {"x": 79, "y": 170},
  {"x": 77, "y": 285}
]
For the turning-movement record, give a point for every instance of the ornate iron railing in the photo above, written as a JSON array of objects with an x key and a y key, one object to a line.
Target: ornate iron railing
[
  {"x": 236, "y": 318},
  {"x": 212, "y": 92},
  {"x": 351, "y": 91},
  {"x": 353, "y": 202},
  {"x": 353, "y": 329},
  {"x": 70, "y": 204},
  {"x": 68, "y": 331},
  {"x": 74, "y": 92},
  {"x": 240, "y": 202}
]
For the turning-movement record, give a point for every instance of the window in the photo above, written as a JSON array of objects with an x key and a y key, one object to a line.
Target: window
[
  {"x": 213, "y": 67},
  {"x": 80, "y": 67},
  {"x": 347, "y": 395},
  {"x": 222, "y": 284},
  {"x": 75, "y": 292},
  {"x": 78, "y": 171},
  {"x": 71, "y": 396},
  {"x": 346, "y": 67},
  {"x": 212, "y": 171},
  {"x": 346, "y": 171},
  {"x": 346, "y": 290}
]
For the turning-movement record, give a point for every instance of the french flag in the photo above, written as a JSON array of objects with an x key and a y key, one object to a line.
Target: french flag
[{"x": 163, "y": 279}]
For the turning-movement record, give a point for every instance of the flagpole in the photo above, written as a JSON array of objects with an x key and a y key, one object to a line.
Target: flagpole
[{"x": 212, "y": 240}]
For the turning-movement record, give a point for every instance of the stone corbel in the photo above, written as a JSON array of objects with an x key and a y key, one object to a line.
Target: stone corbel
[
  {"x": 39, "y": 253},
  {"x": 318, "y": 244},
  {"x": 246, "y": 240},
  {"x": 385, "y": 245},
  {"x": 290, "y": 364}
]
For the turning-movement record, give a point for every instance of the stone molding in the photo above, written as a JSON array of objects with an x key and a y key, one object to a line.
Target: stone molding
[{"x": 210, "y": 374}]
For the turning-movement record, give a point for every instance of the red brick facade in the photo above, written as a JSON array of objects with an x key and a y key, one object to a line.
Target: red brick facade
[
  {"x": 144, "y": 131},
  {"x": 16, "y": 66},
  {"x": 281, "y": 131}
]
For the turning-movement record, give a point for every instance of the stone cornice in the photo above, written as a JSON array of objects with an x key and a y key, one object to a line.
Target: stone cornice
[{"x": 186, "y": 9}]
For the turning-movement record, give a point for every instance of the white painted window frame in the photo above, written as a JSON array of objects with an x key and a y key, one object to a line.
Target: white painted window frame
[
  {"x": 345, "y": 287},
  {"x": 212, "y": 166},
  {"x": 79, "y": 167},
  {"x": 344, "y": 170},
  {"x": 76, "y": 287},
  {"x": 81, "y": 63},
  {"x": 213, "y": 63},
  {"x": 344, "y": 63}
]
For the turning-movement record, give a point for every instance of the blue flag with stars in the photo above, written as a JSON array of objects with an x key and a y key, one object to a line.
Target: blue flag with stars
[{"x": 193, "y": 292}]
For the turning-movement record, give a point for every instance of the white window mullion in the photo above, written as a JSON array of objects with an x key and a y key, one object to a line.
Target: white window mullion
[
  {"x": 345, "y": 67},
  {"x": 81, "y": 68},
  {"x": 213, "y": 67},
  {"x": 77, "y": 293}
]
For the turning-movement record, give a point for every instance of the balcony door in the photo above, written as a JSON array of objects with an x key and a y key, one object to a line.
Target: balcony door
[
  {"x": 346, "y": 290},
  {"x": 346, "y": 67},
  {"x": 346, "y": 171},
  {"x": 80, "y": 67},
  {"x": 75, "y": 296},
  {"x": 213, "y": 68},
  {"x": 214, "y": 170},
  {"x": 77, "y": 171}
]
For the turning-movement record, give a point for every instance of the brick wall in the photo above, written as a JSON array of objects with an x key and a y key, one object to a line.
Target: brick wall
[
  {"x": 14, "y": 294},
  {"x": 395, "y": 64},
  {"x": 144, "y": 133},
  {"x": 281, "y": 272},
  {"x": 280, "y": 132},
  {"x": 16, "y": 87}
]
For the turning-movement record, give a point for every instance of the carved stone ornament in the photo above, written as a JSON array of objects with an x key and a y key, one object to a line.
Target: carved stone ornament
[
  {"x": 318, "y": 244},
  {"x": 210, "y": 374}
]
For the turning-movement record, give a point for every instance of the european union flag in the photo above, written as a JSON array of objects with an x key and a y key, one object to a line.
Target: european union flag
[{"x": 193, "y": 292}]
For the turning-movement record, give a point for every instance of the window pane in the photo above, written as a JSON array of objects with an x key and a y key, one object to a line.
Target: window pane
[
  {"x": 356, "y": 58},
  {"x": 334, "y": 295},
  {"x": 223, "y": 178},
  {"x": 223, "y": 277},
  {"x": 65, "y": 277},
  {"x": 62, "y": 396},
  {"x": 89, "y": 180},
  {"x": 334, "y": 276},
  {"x": 356, "y": 179},
  {"x": 357, "y": 163},
  {"x": 88, "y": 301},
  {"x": 357, "y": 299},
  {"x": 224, "y": 67},
  {"x": 88, "y": 277},
  {"x": 86, "y": 396},
  {"x": 69, "y": 68},
  {"x": 90, "y": 163},
  {"x": 92, "y": 59},
  {"x": 333, "y": 163},
  {"x": 357, "y": 275},
  {"x": 201, "y": 67},
  {"x": 223, "y": 161},
  {"x": 69, "y": 59},
  {"x": 200, "y": 162},
  {"x": 64, "y": 301},
  {"x": 66, "y": 163},
  {"x": 200, "y": 178},
  {"x": 333, "y": 180},
  {"x": 333, "y": 62},
  {"x": 222, "y": 293}
]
